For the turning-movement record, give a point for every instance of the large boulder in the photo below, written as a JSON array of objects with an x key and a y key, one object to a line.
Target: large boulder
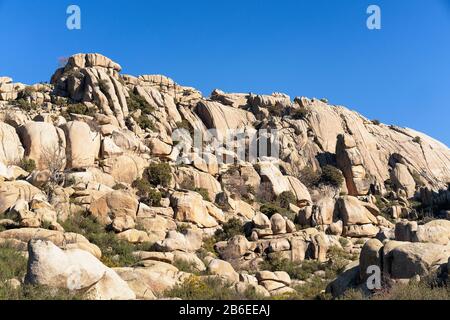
[
  {"x": 353, "y": 212},
  {"x": 411, "y": 259},
  {"x": 11, "y": 149},
  {"x": 190, "y": 207},
  {"x": 19, "y": 238},
  {"x": 436, "y": 231},
  {"x": 13, "y": 191},
  {"x": 125, "y": 168},
  {"x": 74, "y": 269},
  {"x": 118, "y": 208},
  {"x": 196, "y": 179},
  {"x": 371, "y": 255},
  {"x": 223, "y": 118},
  {"x": 82, "y": 144},
  {"x": 45, "y": 144},
  {"x": 323, "y": 211},
  {"x": 223, "y": 269},
  {"x": 191, "y": 241}
]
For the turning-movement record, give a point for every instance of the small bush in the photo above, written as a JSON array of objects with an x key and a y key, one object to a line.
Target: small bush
[
  {"x": 145, "y": 123},
  {"x": 115, "y": 252},
  {"x": 414, "y": 291},
  {"x": 80, "y": 108},
  {"x": 28, "y": 91},
  {"x": 196, "y": 288},
  {"x": 286, "y": 198},
  {"x": 24, "y": 105},
  {"x": 230, "y": 229},
  {"x": 417, "y": 140},
  {"x": 376, "y": 122},
  {"x": 309, "y": 177},
  {"x": 331, "y": 176},
  {"x": 270, "y": 208},
  {"x": 14, "y": 266},
  {"x": 276, "y": 110},
  {"x": 147, "y": 193},
  {"x": 324, "y": 100},
  {"x": 158, "y": 174},
  {"x": 203, "y": 192},
  {"x": 299, "y": 113},
  {"x": 208, "y": 246},
  {"x": 29, "y": 165},
  {"x": 312, "y": 290},
  {"x": 186, "y": 266},
  {"x": 136, "y": 102},
  {"x": 103, "y": 85}
]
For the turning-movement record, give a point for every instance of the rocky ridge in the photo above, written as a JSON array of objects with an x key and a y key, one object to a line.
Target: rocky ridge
[{"x": 95, "y": 146}]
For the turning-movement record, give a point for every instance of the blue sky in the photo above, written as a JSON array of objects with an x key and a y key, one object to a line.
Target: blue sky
[{"x": 317, "y": 48}]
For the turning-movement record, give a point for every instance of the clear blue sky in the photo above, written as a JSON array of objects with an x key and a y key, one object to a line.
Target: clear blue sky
[{"x": 317, "y": 48}]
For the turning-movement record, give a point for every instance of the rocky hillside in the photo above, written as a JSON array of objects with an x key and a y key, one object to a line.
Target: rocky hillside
[{"x": 95, "y": 202}]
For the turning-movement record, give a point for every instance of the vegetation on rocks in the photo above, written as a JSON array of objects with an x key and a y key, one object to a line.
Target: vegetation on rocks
[
  {"x": 158, "y": 174},
  {"x": 147, "y": 193},
  {"x": 204, "y": 288},
  {"x": 29, "y": 165},
  {"x": 14, "y": 266},
  {"x": 115, "y": 252}
]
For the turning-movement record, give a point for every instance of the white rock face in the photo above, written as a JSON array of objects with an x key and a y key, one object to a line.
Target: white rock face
[
  {"x": 11, "y": 149},
  {"x": 45, "y": 144},
  {"x": 82, "y": 144},
  {"x": 74, "y": 270}
]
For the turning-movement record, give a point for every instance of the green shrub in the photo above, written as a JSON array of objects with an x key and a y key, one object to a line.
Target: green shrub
[
  {"x": 29, "y": 165},
  {"x": 203, "y": 192},
  {"x": 183, "y": 228},
  {"x": 276, "y": 110},
  {"x": 376, "y": 122},
  {"x": 24, "y": 105},
  {"x": 136, "y": 102},
  {"x": 324, "y": 100},
  {"x": 309, "y": 177},
  {"x": 115, "y": 252},
  {"x": 331, "y": 176},
  {"x": 270, "y": 208},
  {"x": 80, "y": 108},
  {"x": 230, "y": 229},
  {"x": 417, "y": 139},
  {"x": 197, "y": 288},
  {"x": 14, "y": 266},
  {"x": 423, "y": 290},
  {"x": 299, "y": 113},
  {"x": 145, "y": 123},
  {"x": 103, "y": 85},
  {"x": 147, "y": 193},
  {"x": 28, "y": 91},
  {"x": 312, "y": 290},
  {"x": 414, "y": 291},
  {"x": 286, "y": 198},
  {"x": 158, "y": 174},
  {"x": 208, "y": 246},
  {"x": 12, "y": 263},
  {"x": 186, "y": 266},
  {"x": 153, "y": 198}
]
